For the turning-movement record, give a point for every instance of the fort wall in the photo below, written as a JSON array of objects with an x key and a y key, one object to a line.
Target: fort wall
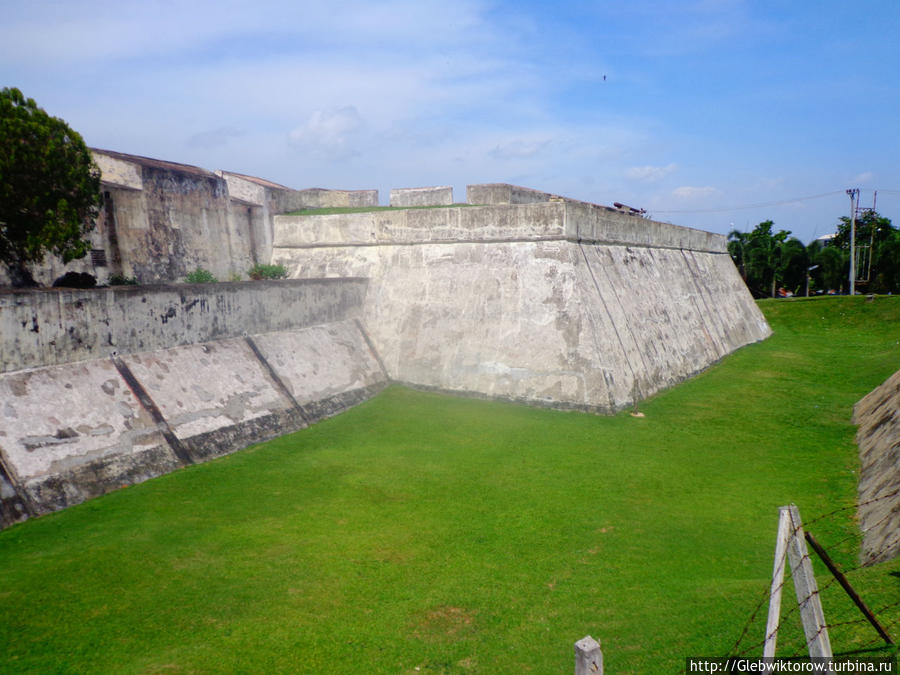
[
  {"x": 551, "y": 303},
  {"x": 52, "y": 326},
  {"x": 198, "y": 372},
  {"x": 878, "y": 438},
  {"x": 424, "y": 196}
]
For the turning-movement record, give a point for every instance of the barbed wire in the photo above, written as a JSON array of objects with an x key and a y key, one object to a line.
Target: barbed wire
[{"x": 740, "y": 649}]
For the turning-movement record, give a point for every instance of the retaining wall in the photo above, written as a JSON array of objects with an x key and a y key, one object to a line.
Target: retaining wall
[
  {"x": 260, "y": 360},
  {"x": 558, "y": 303},
  {"x": 878, "y": 438}
]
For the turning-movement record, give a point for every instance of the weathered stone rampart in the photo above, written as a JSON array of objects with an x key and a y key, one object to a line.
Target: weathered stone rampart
[
  {"x": 878, "y": 438},
  {"x": 423, "y": 196},
  {"x": 53, "y": 326},
  {"x": 554, "y": 303},
  {"x": 547, "y": 221},
  {"x": 200, "y": 371}
]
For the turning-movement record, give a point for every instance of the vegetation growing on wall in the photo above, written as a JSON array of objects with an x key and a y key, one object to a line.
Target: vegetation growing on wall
[
  {"x": 260, "y": 271},
  {"x": 49, "y": 187},
  {"x": 200, "y": 276}
]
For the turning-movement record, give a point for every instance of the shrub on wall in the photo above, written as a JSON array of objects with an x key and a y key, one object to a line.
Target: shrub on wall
[
  {"x": 258, "y": 272},
  {"x": 122, "y": 280},
  {"x": 200, "y": 276}
]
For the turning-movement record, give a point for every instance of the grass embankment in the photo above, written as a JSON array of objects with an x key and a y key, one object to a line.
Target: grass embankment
[
  {"x": 331, "y": 210},
  {"x": 426, "y": 533}
]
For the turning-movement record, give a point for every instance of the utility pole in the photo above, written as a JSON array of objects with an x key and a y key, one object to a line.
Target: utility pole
[{"x": 854, "y": 193}]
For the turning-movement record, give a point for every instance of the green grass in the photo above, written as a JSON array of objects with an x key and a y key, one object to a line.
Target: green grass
[
  {"x": 426, "y": 533},
  {"x": 368, "y": 209}
]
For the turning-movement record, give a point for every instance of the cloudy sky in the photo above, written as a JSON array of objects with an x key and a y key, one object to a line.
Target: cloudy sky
[{"x": 696, "y": 110}]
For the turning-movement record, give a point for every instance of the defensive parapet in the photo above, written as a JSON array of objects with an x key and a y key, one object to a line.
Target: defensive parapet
[{"x": 553, "y": 302}]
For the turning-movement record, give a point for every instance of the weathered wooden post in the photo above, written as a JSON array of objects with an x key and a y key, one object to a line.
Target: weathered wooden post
[
  {"x": 791, "y": 540},
  {"x": 588, "y": 657}
]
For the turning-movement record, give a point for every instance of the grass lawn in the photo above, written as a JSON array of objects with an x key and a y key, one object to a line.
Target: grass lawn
[{"x": 420, "y": 533}]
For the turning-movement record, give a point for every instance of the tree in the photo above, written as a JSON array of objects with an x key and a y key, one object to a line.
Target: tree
[
  {"x": 49, "y": 187},
  {"x": 833, "y": 264},
  {"x": 878, "y": 232},
  {"x": 758, "y": 255}
]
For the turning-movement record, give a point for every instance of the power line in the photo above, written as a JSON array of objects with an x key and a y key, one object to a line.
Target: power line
[{"x": 756, "y": 206}]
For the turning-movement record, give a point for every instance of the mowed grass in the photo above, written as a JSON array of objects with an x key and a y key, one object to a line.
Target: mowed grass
[{"x": 426, "y": 533}]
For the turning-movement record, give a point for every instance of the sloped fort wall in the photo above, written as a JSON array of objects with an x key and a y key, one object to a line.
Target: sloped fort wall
[
  {"x": 555, "y": 303},
  {"x": 878, "y": 438},
  {"x": 127, "y": 384}
]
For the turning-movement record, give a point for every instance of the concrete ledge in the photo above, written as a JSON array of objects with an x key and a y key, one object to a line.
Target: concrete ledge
[
  {"x": 421, "y": 226},
  {"x": 575, "y": 221},
  {"x": 97, "y": 477},
  {"x": 423, "y": 196},
  {"x": 320, "y": 409},
  {"x": 603, "y": 225},
  {"x": 233, "y": 437}
]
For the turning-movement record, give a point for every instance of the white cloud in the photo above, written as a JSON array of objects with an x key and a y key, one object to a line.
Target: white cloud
[
  {"x": 864, "y": 177},
  {"x": 691, "y": 192},
  {"x": 650, "y": 174},
  {"x": 329, "y": 134},
  {"x": 518, "y": 149}
]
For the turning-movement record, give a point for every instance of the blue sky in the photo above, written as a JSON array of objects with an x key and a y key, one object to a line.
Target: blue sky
[{"x": 688, "y": 109}]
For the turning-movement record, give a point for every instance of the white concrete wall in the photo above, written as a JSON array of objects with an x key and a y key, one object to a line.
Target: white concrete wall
[{"x": 544, "y": 320}]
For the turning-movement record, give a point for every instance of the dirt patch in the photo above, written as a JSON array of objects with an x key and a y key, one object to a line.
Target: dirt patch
[{"x": 444, "y": 623}]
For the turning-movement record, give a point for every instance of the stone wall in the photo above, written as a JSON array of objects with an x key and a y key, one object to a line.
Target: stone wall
[
  {"x": 424, "y": 196},
  {"x": 504, "y": 193},
  {"x": 75, "y": 431},
  {"x": 878, "y": 438},
  {"x": 170, "y": 376},
  {"x": 558, "y": 303},
  {"x": 52, "y": 326},
  {"x": 162, "y": 220}
]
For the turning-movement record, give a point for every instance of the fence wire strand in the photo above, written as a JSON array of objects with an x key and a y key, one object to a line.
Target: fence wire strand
[{"x": 742, "y": 648}]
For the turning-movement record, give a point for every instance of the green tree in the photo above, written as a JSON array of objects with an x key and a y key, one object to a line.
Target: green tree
[
  {"x": 49, "y": 187},
  {"x": 767, "y": 259},
  {"x": 877, "y": 232},
  {"x": 793, "y": 266},
  {"x": 758, "y": 257},
  {"x": 832, "y": 268}
]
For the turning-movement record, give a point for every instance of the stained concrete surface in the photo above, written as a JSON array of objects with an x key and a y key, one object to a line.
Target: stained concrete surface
[{"x": 71, "y": 432}]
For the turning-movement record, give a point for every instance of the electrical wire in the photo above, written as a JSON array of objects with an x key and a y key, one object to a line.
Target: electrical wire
[{"x": 753, "y": 206}]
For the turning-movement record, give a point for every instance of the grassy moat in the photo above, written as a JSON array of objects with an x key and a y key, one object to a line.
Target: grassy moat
[{"x": 420, "y": 533}]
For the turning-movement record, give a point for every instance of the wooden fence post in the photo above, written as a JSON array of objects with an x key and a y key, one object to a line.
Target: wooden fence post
[
  {"x": 811, "y": 614},
  {"x": 588, "y": 657}
]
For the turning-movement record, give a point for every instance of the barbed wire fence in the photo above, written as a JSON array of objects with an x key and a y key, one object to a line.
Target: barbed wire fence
[{"x": 848, "y": 628}]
